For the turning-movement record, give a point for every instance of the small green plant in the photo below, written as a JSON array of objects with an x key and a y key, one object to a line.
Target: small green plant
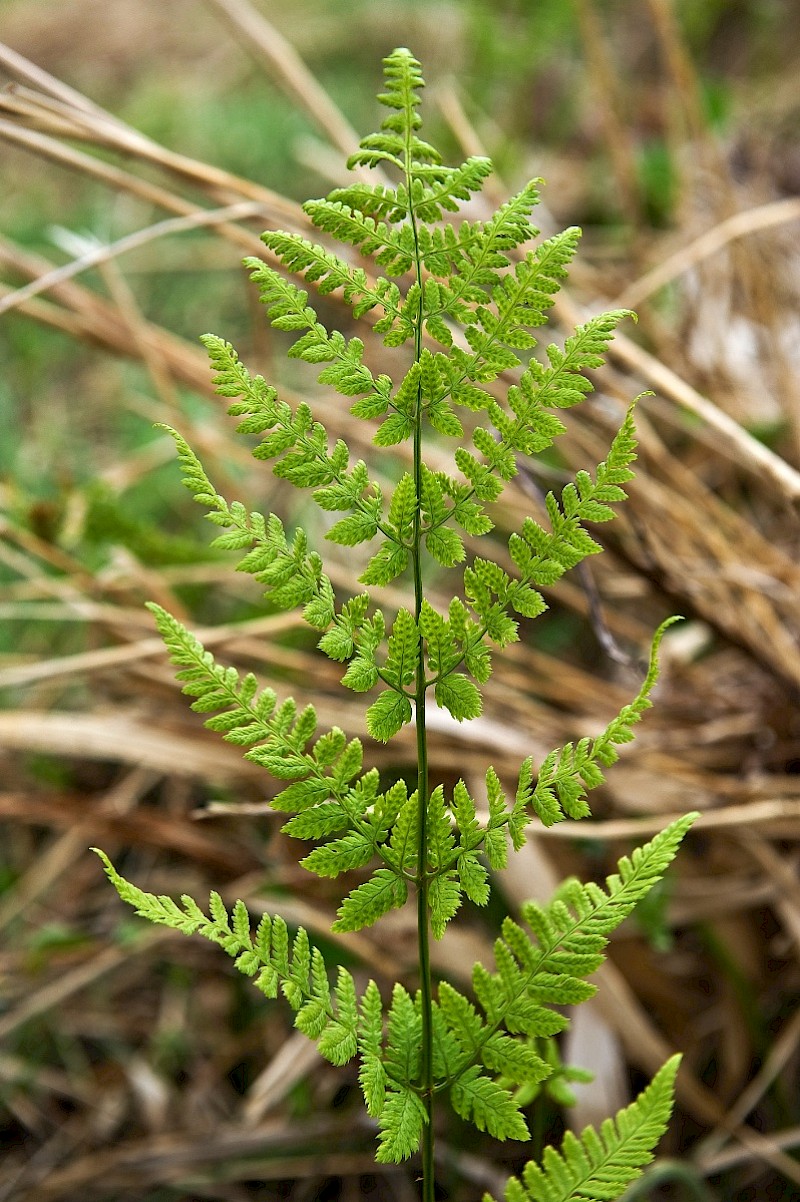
[{"x": 464, "y": 289}]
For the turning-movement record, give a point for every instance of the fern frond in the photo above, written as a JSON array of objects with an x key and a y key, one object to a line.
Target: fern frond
[
  {"x": 324, "y": 792},
  {"x": 569, "y": 772},
  {"x": 301, "y": 446},
  {"x": 288, "y": 309},
  {"x": 298, "y": 971},
  {"x": 328, "y": 273},
  {"x": 373, "y": 200},
  {"x": 474, "y": 255},
  {"x": 292, "y": 574},
  {"x": 501, "y": 319},
  {"x": 385, "y": 890},
  {"x": 392, "y": 249},
  {"x": 398, "y": 139},
  {"x": 401, "y": 1121},
  {"x": 480, "y": 1100},
  {"x": 521, "y": 299},
  {"x": 443, "y": 187},
  {"x": 562, "y": 384},
  {"x": 494, "y": 1050},
  {"x": 319, "y": 266},
  {"x": 542, "y": 557},
  {"x": 569, "y": 934},
  {"x": 599, "y": 1166},
  {"x": 532, "y": 429}
]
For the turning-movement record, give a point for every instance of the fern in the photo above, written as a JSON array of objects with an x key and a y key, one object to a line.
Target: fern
[
  {"x": 600, "y": 1165},
  {"x": 469, "y": 299}
]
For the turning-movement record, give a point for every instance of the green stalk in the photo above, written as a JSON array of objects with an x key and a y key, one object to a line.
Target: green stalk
[{"x": 423, "y": 924}]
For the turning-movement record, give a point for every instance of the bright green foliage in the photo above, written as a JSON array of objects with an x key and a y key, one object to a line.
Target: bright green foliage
[
  {"x": 566, "y": 774},
  {"x": 464, "y": 300},
  {"x": 273, "y": 960},
  {"x": 481, "y": 1052},
  {"x": 601, "y": 1164}
]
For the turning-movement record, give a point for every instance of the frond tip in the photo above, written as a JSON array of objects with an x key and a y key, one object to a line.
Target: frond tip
[{"x": 599, "y": 1166}]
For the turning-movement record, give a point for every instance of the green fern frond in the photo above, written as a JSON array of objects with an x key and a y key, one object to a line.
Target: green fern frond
[
  {"x": 401, "y": 1122},
  {"x": 480, "y": 1100},
  {"x": 569, "y": 772},
  {"x": 292, "y": 574},
  {"x": 288, "y": 309},
  {"x": 385, "y": 890},
  {"x": 493, "y": 1051},
  {"x": 398, "y": 140},
  {"x": 322, "y": 771},
  {"x": 598, "y": 1166},
  {"x": 392, "y": 249},
  {"x": 541, "y": 556},
  {"x": 569, "y": 935},
  {"x": 298, "y": 971},
  {"x": 473, "y": 256}
]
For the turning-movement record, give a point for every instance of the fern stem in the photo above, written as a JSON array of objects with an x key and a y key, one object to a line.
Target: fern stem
[{"x": 423, "y": 923}]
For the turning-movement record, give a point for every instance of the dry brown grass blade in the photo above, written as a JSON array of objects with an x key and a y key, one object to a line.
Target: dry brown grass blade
[
  {"x": 784, "y": 873},
  {"x": 294, "y": 1059},
  {"x": 783, "y": 812},
  {"x": 648, "y": 1048},
  {"x": 54, "y": 861},
  {"x": 22, "y": 68},
  {"x": 120, "y": 738},
  {"x": 144, "y": 827},
  {"x": 740, "y": 225},
  {"x": 94, "y": 168},
  {"x": 273, "y": 50},
  {"x": 100, "y": 322},
  {"x": 617, "y": 134},
  {"x": 271, "y": 1152},
  {"x": 114, "y": 250},
  {"x": 58, "y": 991},
  {"x": 112, "y": 657},
  {"x": 782, "y": 1051},
  {"x": 89, "y": 123}
]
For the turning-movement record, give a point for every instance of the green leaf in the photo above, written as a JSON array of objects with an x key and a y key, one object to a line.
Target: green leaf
[
  {"x": 440, "y": 834},
  {"x": 473, "y": 878},
  {"x": 401, "y": 661},
  {"x": 338, "y": 1042},
  {"x": 445, "y": 546},
  {"x": 404, "y": 836},
  {"x": 397, "y": 428},
  {"x": 601, "y": 1165},
  {"x": 342, "y": 855},
  {"x": 462, "y": 1018},
  {"x": 515, "y": 1060},
  {"x": 388, "y": 713},
  {"x": 401, "y": 508},
  {"x": 352, "y": 530},
  {"x": 490, "y": 1107},
  {"x": 364, "y": 906},
  {"x": 401, "y": 1122},
  {"x": 372, "y": 1075},
  {"x": 444, "y": 897},
  {"x": 459, "y": 695},
  {"x": 361, "y": 675},
  {"x": 386, "y": 564}
]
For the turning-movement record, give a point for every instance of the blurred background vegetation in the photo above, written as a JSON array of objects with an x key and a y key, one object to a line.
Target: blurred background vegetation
[{"x": 135, "y": 1065}]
